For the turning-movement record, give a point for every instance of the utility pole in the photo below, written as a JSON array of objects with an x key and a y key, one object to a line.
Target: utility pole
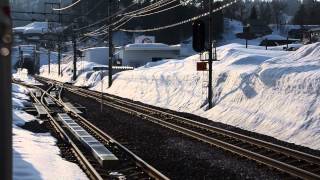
[
  {"x": 266, "y": 43},
  {"x": 210, "y": 57},
  {"x": 110, "y": 42},
  {"x": 59, "y": 44},
  {"x": 101, "y": 105},
  {"x": 74, "y": 56},
  {"x": 49, "y": 61},
  {"x": 35, "y": 59},
  {"x": 5, "y": 91},
  {"x": 38, "y": 58},
  {"x": 59, "y": 57},
  {"x": 20, "y": 57}
]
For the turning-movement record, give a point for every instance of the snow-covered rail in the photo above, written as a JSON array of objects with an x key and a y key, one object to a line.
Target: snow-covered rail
[
  {"x": 290, "y": 161},
  {"x": 130, "y": 165}
]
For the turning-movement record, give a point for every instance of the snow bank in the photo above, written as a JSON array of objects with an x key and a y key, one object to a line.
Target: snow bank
[
  {"x": 270, "y": 92},
  {"x": 66, "y": 70},
  {"x": 22, "y": 75}
]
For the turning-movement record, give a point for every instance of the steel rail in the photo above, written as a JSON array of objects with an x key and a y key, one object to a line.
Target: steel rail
[
  {"x": 218, "y": 143},
  {"x": 295, "y": 171},
  {"x": 91, "y": 172},
  {"x": 139, "y": 162},
  {"x": 281, "y": 149},
  {"x": 151, "y": 171}
]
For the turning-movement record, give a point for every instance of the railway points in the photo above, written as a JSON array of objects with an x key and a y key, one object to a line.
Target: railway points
[{"x": 92, "y": 148}]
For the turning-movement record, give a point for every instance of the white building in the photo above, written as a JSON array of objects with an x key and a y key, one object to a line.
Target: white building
[
  {"x": 97, "y": 55},
  {"x": 144, "y": 39},
  {"x": 139, "y": 54}
]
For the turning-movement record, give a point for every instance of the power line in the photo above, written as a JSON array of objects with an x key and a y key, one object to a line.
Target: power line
[
  {"x": 144, "y": 8},
  {"x": 106, "y": 18},
  {"x": 134, "y": 16},
  {"x": 153, "y": 8},
  {"x": 127, "y": 18},
  {"x": 104, "y": 28},
  {"x": 67, "y": 7},
  {"x": 181, "y": 22}
]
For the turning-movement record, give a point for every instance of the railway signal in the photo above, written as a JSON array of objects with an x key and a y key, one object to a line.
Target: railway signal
[
  {"x": 198, "y": 30},
  {"x": 198, "y": 43}
]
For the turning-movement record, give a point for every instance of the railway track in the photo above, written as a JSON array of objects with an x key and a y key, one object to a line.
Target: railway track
[
  {"x": 128, "y": 166},
  {"x": 295, "y": 163}
]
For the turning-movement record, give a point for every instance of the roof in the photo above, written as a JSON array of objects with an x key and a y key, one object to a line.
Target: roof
[
  {"x": 274, "y": 37},
  {"x": 149, "y": 46},
  {"x": 314, "y": 29},
  {"x": 95, "y": 48}
]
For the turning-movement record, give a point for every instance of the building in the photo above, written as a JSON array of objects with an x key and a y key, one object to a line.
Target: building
[
  {"x": 145, "y": 39},
  {"x": 311, "y": 36},
  {"x": 97, "y": 55},
  {"x": 276, "y": 40},
  {"x": 259, "y": 28},
  {"x": 139, "y": 54},
  {"x": 297, "y": 33}
]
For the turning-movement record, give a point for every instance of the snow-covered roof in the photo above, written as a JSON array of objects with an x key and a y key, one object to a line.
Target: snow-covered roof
[
  {"x": 95, "y": 48},
  {"x": 148, "y": 46},
  {"x": 315, "y": 29},
  {"x": 274, "y": 37}
]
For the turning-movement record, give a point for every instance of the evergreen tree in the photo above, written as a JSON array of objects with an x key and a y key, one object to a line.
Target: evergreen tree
[
  {"x": 253, "y": 14},
  {"x": 265, "y": 10},
  {"x": 300, "y": 16}
]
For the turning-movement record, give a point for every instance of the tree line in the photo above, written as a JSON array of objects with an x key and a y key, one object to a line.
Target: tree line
[{"x": 278, "y": 12}]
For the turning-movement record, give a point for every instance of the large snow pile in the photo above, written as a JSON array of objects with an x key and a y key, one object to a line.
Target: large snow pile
[
  {"x": 35, "y": 155},
  {"x": 270, "y": 92},
  {"x": 266, "y": 91},
  {"x": 66, "y": 70}
]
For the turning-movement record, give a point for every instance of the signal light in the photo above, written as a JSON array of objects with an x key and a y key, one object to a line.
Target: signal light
[{"x": 198, "y": 30}]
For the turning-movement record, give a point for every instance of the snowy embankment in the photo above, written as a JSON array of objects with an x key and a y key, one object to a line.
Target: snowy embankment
[
  {"x": 272, "y": 92},
  {"x": 66, "y": 70},
  {"x": 35, "y": 155}
]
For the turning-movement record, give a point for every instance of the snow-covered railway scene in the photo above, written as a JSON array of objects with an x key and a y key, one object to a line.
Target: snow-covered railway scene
[{"x": 159, "y": 89}]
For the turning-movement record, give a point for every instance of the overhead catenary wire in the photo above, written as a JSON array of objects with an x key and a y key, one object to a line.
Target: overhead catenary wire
[
  {"x": 181, "y": 22},
  {"x": 103, "y": 30},
  {"x": 98, "y": 32},
  {"x": 116, "y": 28},
  {"x": 106, "y": 18},
  {"x": 67, "y": 7},
  {"x": 127, "y": 18},
  {"x": 144, "y": 8},
  {"x": 152, "y": 8},
  {"x": 142, "y": 15}
]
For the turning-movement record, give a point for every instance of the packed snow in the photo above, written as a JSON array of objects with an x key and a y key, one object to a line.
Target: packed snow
[
  {"x": 39, "y": 28},
  {"x": 35, "y": 155},
  {"x": 271, "y": 92}
]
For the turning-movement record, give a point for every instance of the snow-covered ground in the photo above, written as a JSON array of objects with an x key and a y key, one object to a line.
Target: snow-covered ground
[
  {"x": 271, "y": 92},
  {"x": 35, "y": 155}
]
